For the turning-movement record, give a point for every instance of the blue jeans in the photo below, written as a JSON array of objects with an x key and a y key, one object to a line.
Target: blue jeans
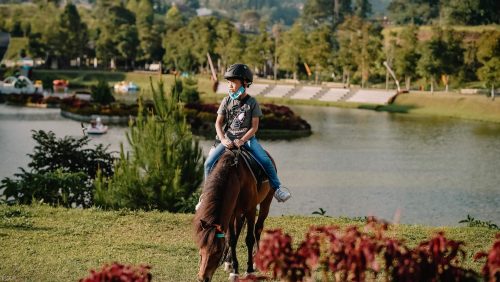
[{"x": 256, "y": 149}]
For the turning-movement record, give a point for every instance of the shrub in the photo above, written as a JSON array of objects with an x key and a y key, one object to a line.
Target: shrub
[
  {"x": 101, "y": 93},
  {"x": 189, "y": 93},
  {"x": 355, "y": 255},
  {"x": 120, "y": 273},
  {"x": 491, "y": 269},
  {"x": 61, "y": 172},
  {"x": 165, "y": 165}
]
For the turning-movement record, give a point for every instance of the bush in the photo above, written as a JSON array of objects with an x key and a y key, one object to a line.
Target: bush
[
  {"x": 61, "y": 172},
  {"x": 120, "y": 273},
  {"x": 165, "y": 166},
  {"x": 101, "y": 93},
  {"x": 189, "y": 93},
  {"x": 491, "y": 269},
  {"x": 354, "y": 255}
]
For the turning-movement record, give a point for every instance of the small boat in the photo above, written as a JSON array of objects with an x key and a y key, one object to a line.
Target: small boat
[
  {"x": 126, "y": 87},
  {"x": 95, "y": 127},
  {"x": 60, "y": 85},
  {"x": 19, "y": 85}
]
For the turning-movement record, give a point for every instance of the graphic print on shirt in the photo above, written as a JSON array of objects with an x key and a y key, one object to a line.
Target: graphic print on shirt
[{"x": 237, "y": 118}]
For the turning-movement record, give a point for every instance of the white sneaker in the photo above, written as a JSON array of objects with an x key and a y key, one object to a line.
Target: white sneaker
[{"x": 282, "y": 195}]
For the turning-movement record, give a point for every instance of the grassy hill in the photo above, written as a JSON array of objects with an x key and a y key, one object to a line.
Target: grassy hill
[{"x": 41, "y": 243}]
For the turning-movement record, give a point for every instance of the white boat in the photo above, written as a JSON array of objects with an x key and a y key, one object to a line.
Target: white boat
[
  {"x": 96, "y": 127},
  {"x": 125, "y": 87},
  {"x": 20, "y": 85}
]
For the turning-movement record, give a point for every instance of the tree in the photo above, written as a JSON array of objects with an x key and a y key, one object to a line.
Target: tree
[
  {"x": 317, "y": 12},
  {"x": 360, "y": 47},
  {"x": 229, "y": 44},
  {"x": 452, "y": 59},
  {"x": 260, "y": 49},
  {"x": 470, "y": 12},
  {"x": 203, "y": 32},
  {"x": 118, "y": 37},
  {"x": 73, "y": 34},
  {"x": 489, "y": 55},
  {"x": 415, "y": 12},
  {"x": 291, "y": 48},
  {"x": 165, "y": 166},
  {"x": 362, "y": 8},
  {"x": 320, "y": 50},
  {"x": 250, "y": 20},
  {"x": 430, "y": 64},
  {"x": 406, "y": 54},
  {"x": 148, "y": 34}
]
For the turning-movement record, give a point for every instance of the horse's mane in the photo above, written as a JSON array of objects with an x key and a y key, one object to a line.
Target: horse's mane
[{"x": 211, "y": 206}]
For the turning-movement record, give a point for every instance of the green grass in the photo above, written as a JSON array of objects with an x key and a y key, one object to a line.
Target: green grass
[
  {"x": 474, "y": 107},
  {"x": 41, "y": 243}
]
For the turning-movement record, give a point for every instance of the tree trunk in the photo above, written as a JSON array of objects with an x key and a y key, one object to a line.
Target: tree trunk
[
  {"x": 493, "y": 92},
  {"x": 386, "y": 79},
  {"x": 407, "y": 82},
  {"x": 316, "y": 78},
  {"x": 432, "y": 85}
]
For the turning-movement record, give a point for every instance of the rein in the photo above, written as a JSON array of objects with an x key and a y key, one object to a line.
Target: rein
[{"x": 236, "y": 154}]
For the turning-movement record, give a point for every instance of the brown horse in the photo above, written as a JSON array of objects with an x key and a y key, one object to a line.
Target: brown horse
[{"x": 230, "y": 196}]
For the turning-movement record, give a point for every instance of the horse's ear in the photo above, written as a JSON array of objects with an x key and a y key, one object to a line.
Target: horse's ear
[{"x": 204, "y": 224}]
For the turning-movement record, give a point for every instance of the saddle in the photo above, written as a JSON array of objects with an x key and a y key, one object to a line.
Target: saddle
[{"x": 258, "y": 172}]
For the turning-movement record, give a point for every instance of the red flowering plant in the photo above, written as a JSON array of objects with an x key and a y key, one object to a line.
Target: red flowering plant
[
  {"x": 276, "y": 254},
  {"x": 491, "y": 269},
  {"x": 117, "y": 272},
  {"x": 353, "y": 254}
]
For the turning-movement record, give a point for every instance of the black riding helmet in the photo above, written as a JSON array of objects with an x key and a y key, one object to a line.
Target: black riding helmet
[{"x": 241, "y": 72}]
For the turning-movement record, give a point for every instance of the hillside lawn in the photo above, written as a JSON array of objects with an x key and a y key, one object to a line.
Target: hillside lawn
[{"x": 42, "y": 243}]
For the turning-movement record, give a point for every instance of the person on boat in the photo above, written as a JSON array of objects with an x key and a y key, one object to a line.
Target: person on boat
[
  {"x": 236, "y": 124},
  {"x": 98, "y": 122}
]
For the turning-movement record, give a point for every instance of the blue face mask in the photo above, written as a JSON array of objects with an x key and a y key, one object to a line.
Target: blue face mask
[{"x": 237, "y": 94}]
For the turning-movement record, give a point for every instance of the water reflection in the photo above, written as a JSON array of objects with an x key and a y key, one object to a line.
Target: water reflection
[{"x": 433, "y": 170}]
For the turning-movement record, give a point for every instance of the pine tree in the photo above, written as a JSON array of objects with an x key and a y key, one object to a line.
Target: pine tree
[{"x": 165, "y": 164}]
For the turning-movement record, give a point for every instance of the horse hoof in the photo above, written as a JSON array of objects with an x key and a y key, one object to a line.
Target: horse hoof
[
  {"x": 233, "y": 277},
  {"x": 228, "y": 267}
]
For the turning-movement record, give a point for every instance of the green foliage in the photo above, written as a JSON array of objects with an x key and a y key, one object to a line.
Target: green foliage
[
  {"x": 73, "y": 34},
  {"x": 189, "y": 93},
  {"x": 472, "y": 222},
  {"x": 101, "y": 93},
  {"x": 164, "y": 167},
  {"x": 291, "y": 48},
  {"x": 406, "y": 54},
  {"x": 320, "y": 211},
  {"x": 442, "y": 55},
  {"x": 362, "y": 8},
  {"x": 61, "y": 172},
  {"x": 58, "y": 188},
  {"x": 118, "y": 38}
]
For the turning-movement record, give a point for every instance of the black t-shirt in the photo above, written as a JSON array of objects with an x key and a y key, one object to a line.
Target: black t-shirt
[{"x": 239, "y": 115}]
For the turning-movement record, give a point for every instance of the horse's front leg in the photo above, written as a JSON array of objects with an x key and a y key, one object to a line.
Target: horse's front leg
[
  {"x": 250, "y": 239},
  {"x": 239, "y": 222},
  {"x": 233, "y": 241}
]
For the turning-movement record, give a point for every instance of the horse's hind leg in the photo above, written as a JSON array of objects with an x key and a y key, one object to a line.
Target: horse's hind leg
[
  {"x": 263, "y": 213},
  {"x": 250, "y": 239}
]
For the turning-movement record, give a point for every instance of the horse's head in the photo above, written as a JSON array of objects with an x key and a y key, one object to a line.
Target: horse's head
[{"x": 212, "y": 251}]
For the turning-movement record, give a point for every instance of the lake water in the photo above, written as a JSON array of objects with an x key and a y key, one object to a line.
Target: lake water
[{"x": 415, "y": 169}]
